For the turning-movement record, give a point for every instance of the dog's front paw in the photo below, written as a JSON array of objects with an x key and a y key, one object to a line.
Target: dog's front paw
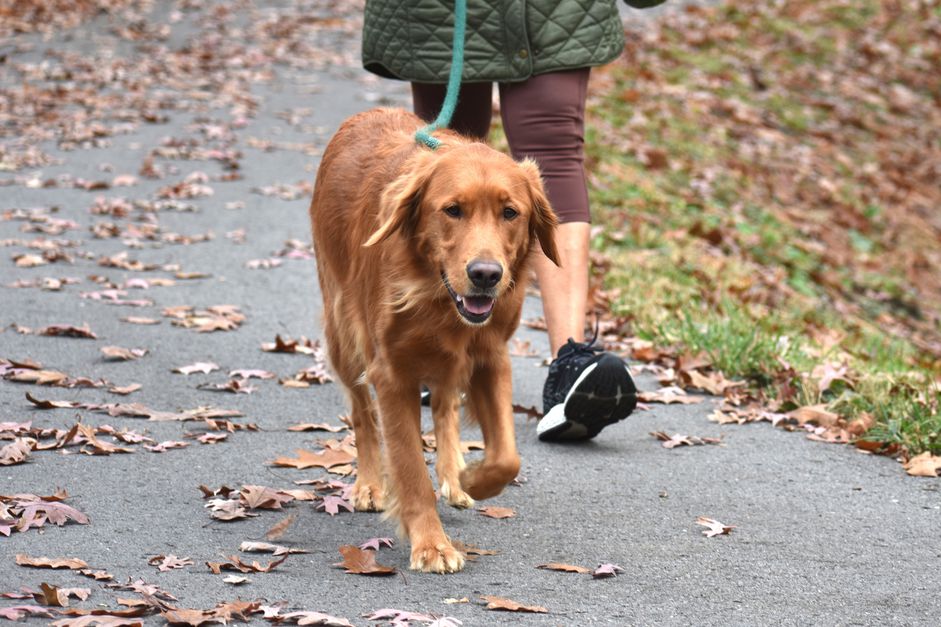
[
  {"x": 367, "y": 497},
  {"x": 437, "y": 558},
  {"x": 455, "y": 496}
]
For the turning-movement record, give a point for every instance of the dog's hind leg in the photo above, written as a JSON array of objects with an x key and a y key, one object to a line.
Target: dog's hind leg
[
  {"x": 450, "y": 460},
  {"x": 413, "y": 495},
  {"x": 490, "y": 403}
]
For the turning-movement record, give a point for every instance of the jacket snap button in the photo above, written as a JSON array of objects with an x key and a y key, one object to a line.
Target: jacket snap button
[{"x": 524, "y": 53}]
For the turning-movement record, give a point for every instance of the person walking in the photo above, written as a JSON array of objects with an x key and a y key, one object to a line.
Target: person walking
[{"x": 540, "y": 54}]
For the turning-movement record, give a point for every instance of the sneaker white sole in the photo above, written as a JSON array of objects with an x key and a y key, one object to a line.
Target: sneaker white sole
[{"x": 609, "y": 397}]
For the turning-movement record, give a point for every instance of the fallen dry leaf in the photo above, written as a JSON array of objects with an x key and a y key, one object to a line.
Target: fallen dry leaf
[
  {"x": 266, "y": 547},
  {"x": 508, "y": 605},
  {"x": 97, "y": 575},
  {"x": 531, "y": 413},
  {"x": 262, "y": 497},
  {"x": 303, "y": 346},
  {"x": 71, "y": 563},
  {"x": 117, "y": 353},
  {"x": 235, "y": 580},
  {"x": 140, "y": 320},
  {"x": 430, "y": 444},
  {"x": 39, "y": 377},
  {"x": 860, "y": 425},
  {"x": 566, "y": 568},
  {"x": 51, "y": 404},
  {"x": 16, "y": 612},
  {"x": 317, "y": 426},
  {"x": 713, "y": 527},
  {"x": 61, "y": 330},
  {"x": 215, "y": 318},
  {"x": 668, "y": 396},
  {"x": 522, "y": 348},
  {"x": 362, "y": 562},
  {"x": 815, "y": 414},
  {"x": 496, "y": 512},
  {"x": 471, "y": 552},
  {"x": 714, "y": 383},
  {"x": 236, "y": 386},
  {"x": 332, "y": 504},
  {"x": 228, "y": 510},
  {"x": 235, "y": 563},
  {"x": 828, "y": 373},
  {"x": 223, "y": 491},
  {"x": 317, "y": 373},
  {"x": 59, "y": 597},
  {"x": 102, "y": 619},
  {"x": 923, "y": 465},
  {"x": 606, "y": 570},
  {"x": 326, "y": 458},
  {"x": 395, "y": 617},
  {"x": 166, "y": 563},
  {"x": 252, "y": 374},
  {"x": 195, "y": 618},
  {"x": 204, "y": 367},
  {"x": 314, "y": 618},
  {"x": 163, "y": 447},
  {"x": 16, "y": 451},
  {"x": 22, "y": 512},
  {"x": 280, "y": 527},
  {"x": 375, "y": 543},
  {"x": 675, "y": 440},
  {"x": 209, "y": 438}
]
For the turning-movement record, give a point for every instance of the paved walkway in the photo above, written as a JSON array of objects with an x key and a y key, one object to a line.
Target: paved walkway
[{"x": 823, "y": 534}]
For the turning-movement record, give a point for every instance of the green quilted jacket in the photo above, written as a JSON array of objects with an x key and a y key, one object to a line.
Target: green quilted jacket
[{"x": 507, "y": 40}]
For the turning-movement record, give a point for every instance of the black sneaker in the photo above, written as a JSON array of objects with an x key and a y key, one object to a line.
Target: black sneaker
[{"x": 586, "y": 390}]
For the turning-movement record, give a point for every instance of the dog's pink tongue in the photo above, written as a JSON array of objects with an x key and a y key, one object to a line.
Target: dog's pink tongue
[{"x": 478, "y": 305}]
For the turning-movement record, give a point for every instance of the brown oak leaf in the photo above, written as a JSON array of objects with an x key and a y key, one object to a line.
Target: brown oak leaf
[
  {"x": 166, "y": 563},
  {"x": 566, "y": 568},
  {"x": 71, "y": 563},
  {"x": 280, "y": 527},
  {"x": 492, "y": 511},
  {"x": 358, "y": 561},
  {"x": 118, "y": 353},
  {"x": 16, "y": 451},
  {"x": 262, "y": 497},
  {"x": 508, "y": 605},
  {"x": 235, "y": 563},
  {"x": 326, "y": 458}
]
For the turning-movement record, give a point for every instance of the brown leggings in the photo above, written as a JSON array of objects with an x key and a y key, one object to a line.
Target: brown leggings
[{"x": 543, "y": 118}]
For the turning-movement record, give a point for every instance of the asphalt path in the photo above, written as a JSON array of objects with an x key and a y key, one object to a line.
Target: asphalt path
[{"x": 822, "y": 534}]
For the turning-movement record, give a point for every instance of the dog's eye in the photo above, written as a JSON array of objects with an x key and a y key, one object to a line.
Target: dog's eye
[
  {"x": 509, "y": 213},
  {"x": 453, "y": 210}
]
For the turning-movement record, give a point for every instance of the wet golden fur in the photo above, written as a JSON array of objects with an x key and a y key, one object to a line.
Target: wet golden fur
[{"x": 383, "y": 239}]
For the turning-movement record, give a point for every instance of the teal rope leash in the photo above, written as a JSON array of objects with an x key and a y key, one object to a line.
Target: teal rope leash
[{"x": 423, "y": 136}]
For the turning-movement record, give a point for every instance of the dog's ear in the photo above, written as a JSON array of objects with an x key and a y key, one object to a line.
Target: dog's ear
[
  {"x": 543, "y": 222},
  {"x": 401, "y": 200}
]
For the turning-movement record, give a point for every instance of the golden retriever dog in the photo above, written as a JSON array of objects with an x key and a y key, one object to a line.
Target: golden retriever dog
[{"x": 423, "y": 258}]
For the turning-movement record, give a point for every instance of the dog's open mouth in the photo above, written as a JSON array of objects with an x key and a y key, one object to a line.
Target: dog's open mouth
[{"x": 474, "y": 308}]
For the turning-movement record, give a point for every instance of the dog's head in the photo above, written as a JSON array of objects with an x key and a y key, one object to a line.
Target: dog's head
[{"x": 472, "y": 214}]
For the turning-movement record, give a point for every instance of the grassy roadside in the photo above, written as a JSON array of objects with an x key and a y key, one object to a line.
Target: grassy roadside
[{"x": 768, "y": 178}]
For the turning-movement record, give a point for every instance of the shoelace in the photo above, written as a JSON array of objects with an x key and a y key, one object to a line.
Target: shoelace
[{"x": 588, "y": 348}]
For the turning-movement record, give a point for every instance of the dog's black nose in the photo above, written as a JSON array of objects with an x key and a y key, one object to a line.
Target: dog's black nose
[{"x": 484, "y": 274}]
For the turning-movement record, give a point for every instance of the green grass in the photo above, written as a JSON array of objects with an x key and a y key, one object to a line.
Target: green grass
[
  {"x": 769, "y": 242},
  {"x": 729, "y": 337}
]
